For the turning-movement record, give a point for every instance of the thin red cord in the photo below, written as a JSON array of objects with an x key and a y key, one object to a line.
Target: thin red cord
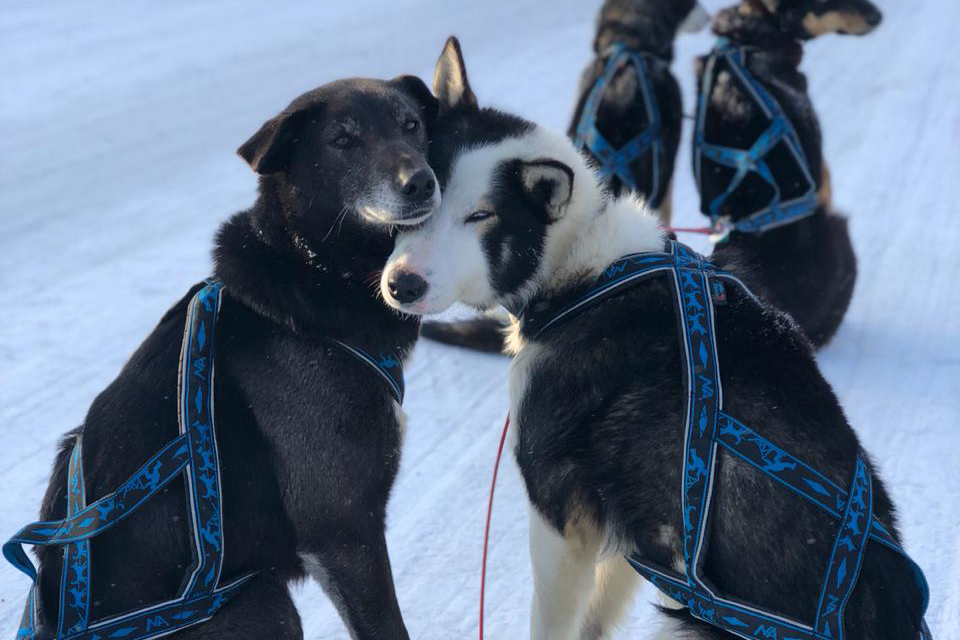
[
  {"x": 486, "y": 529},
  {"x": 703, "y": 230}
]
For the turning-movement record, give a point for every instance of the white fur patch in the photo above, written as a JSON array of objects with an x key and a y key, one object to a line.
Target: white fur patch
[
  {"x": 384, "y": 206},
  {"x": 448, "y": 253}
]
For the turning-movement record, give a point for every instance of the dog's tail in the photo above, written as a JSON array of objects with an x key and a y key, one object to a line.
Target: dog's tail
[{"x": 479, "y": 334}]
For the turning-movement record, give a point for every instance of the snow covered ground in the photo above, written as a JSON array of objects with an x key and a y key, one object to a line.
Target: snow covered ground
[{"x": 118, "y": 125}]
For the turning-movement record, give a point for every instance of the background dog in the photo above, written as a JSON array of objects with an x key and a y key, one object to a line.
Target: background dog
[
  {"x": 647, "y": 28},
  {"x": 309, "y": 438},
  {"x": 808, "y": 267},
  {"x": 598, "y": 403}
]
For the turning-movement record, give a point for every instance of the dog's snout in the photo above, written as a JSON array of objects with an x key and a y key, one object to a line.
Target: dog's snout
[
  {"x": 873, "y": 16},
  {"x": 406, "y": 287},
  {"x": 418, "y": 185}
]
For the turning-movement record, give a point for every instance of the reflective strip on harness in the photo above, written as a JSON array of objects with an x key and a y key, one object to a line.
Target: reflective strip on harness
[
  {"x": 777, "y": 212},
  {"x": 388, "y": 367},
  {"x": 707, "y": 427},
  {"x": 615, "y": 162}
]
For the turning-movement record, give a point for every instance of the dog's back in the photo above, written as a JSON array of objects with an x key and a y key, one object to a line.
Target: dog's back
[
  {"x": 646, "y": 27},
  {"x": 806, "y": 267}
]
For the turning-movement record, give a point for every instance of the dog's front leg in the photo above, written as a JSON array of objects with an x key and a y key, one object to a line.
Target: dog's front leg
[
  {"x": 353, "y": 568},
  {"x": 563, "y": 574},
  {"x": 616, "y": 582}
]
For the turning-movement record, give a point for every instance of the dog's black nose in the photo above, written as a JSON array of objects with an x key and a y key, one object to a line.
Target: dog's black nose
[
  {"x": 873, "y": 17},
  {"x": 418, "y": 186},
  {"x": 406, "y": 287}
]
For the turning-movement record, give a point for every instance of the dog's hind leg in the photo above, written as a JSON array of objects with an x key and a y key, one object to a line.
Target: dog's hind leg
[
  {"x": 616, "y": 583},
  {"x": 261, "y": 609},
  {"x": 354, "y": 570},
  {"x": 563, "y": 576}
]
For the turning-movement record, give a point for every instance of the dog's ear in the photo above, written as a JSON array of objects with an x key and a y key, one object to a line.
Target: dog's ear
[
  {"x": 269, "y": 149},
  {"x": 548, "y": 183},
  {"x": 417, "y": 89},
  {"x": 450, "y": 82}
]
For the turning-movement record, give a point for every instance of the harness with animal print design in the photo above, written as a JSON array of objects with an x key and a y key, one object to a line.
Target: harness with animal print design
[
  {"x": 777, "y": 212},
  {"x": 193, "y": 452},
  {"x": 698, "y": 287},
  {"x": 616, "y": 161}
]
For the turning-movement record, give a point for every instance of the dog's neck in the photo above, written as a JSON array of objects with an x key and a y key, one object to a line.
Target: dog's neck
[
  {"x": 577, "y": 252},
  {"x": 641, "y": 26},
  {"x": 583, "y": 243},
  {"x": 297, "y": 279},
  {"x": 749, "y": 25}
]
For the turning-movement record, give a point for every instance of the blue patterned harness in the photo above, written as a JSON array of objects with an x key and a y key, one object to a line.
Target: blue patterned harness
[
  {"x": 193, "y": 452},
  {"x": 613, "y": 161},
  {"x": 698, "y": 286},
  {"x": 777, "y": 212}
]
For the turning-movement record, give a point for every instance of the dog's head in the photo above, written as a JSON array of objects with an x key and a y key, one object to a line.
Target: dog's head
[
  {"x": 807, "y": 19},
  {"x": 507, "y": 185},
  {"x": 350, "y": 152}
]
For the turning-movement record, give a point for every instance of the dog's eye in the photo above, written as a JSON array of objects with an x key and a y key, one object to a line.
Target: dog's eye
[
  {"x": 410, "y": 126},
  {"x": 343, "y": 141},
  {"x": 478, "y": 216}
]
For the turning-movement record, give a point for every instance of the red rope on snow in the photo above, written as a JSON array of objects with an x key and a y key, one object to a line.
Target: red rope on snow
[
  {"x": 486, "y": 529},
  {"x": 703, "y": 230}
]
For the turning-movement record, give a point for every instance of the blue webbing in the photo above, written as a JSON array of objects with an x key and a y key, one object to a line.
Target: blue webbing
[
  {"x": 777, "y": 212},
  {"x": 193, "y": 452},
  {"x": 616, "y": 161},
  {"x": 698, "y": 286}
]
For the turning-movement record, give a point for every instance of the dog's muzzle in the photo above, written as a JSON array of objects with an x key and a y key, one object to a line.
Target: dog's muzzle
[{"x": 405, "y": 286}]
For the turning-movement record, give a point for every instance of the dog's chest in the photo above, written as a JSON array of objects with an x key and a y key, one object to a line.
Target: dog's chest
[{"x": 530, "y": 356}]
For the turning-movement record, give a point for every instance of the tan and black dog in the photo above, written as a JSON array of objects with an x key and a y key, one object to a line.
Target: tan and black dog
[{"x": 754, "y": 106}]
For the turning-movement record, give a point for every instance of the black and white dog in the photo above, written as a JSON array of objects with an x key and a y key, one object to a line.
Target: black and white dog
[
  {"x": 628, "y": 91},
  {"x": 598, "y": 402},
  {"x": 309, "y": 439},
  {"x": 808, "y": 267},
  {"x": 628, "y": 30}
]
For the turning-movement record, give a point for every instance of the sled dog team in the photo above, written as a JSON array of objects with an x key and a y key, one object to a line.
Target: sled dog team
[{"x": 668, "y": 415}]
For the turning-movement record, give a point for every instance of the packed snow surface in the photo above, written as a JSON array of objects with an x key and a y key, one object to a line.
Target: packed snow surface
[{"x": 118, "y": 125}]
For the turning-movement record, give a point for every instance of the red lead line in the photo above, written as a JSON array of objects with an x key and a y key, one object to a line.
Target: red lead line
[
  {"x": 486, "y": 529},
  {"x": 703, "y": 230}
]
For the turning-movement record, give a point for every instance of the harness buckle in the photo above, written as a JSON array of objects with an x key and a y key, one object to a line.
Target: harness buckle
[{"x": 722, "y": 226}]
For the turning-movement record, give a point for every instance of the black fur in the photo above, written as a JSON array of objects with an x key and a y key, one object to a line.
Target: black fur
[
  {"x": 808, "y": 268},
  {"x": 309, "y": 438},
  {"x": 604, "y": 439},
  {"x": 648, "y": 26},
  {"x": 600, "y": 430}
]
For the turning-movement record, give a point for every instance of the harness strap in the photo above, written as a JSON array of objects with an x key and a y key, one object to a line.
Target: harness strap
[
  {"x": 776, "y": 212},
  {"x": 388, "y": 367},
  {"x": 103, "y": 514},
  {"x": 193, "y": 452},
  {"x": 698, "y": 286},
  {"x": 615, "y": 162},
  {"x": 75, "y": 609}
]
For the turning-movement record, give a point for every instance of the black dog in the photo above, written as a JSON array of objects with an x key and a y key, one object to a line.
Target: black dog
[
  {"x": 807, "y": 266},
  {"x": 644, "y": 29},
  {"x": 602, "y": 402},
  {"x": 309, "y": 439},
  {"x": 636, "y": 36}
]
